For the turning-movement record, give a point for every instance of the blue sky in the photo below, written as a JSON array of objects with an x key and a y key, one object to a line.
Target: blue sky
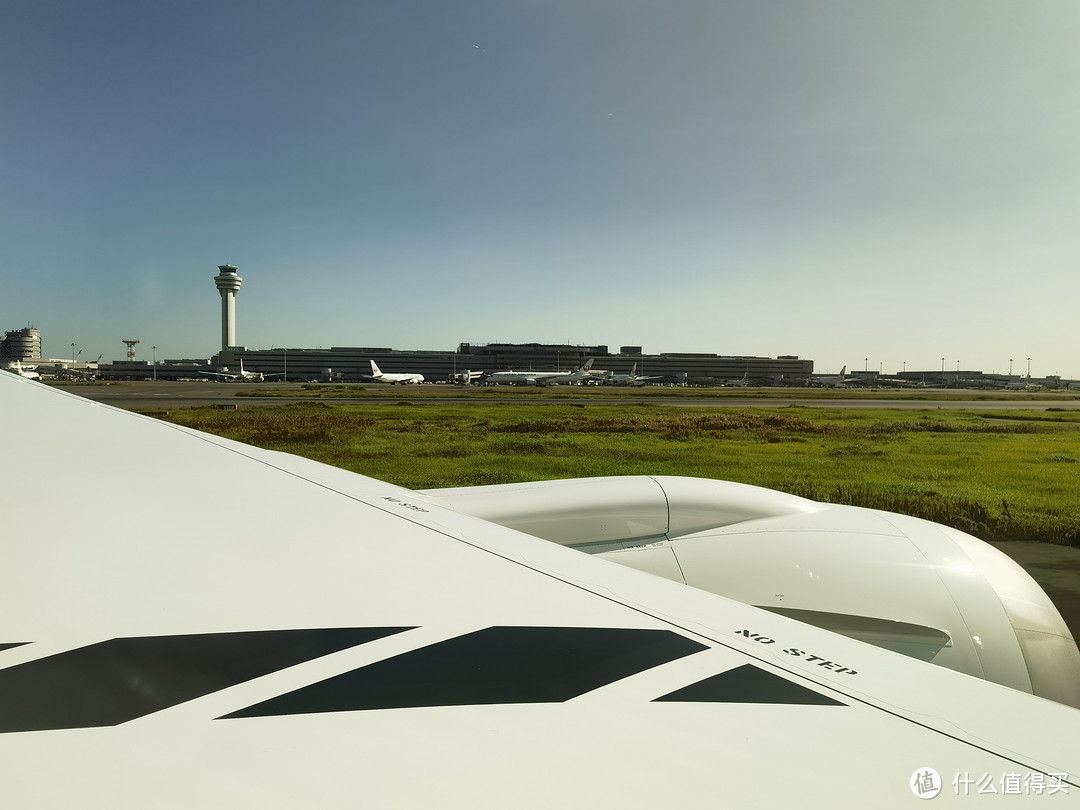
[{"x": 862, "y": 183}]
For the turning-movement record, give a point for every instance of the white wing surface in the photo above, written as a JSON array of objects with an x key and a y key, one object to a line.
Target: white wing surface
[{"x": 358, "y": 646}]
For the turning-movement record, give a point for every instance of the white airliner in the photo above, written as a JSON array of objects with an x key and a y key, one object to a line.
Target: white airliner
[
  {"x": 621, "y": 379},
  {"x": 241, "y": 375},
  {"x": 540, "y": 377},
  {"x": 362, "y": 644},
  {"x": 633, "y": 378},
  {"x": 830, "y": 380},
  {"x": 394, "y": 379},
  {"x": 23, "y": 371}
]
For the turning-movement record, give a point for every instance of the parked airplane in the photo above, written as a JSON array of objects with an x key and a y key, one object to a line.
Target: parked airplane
[
  {"x": 466, "y": 377},
  {"x": 1024, "y": 384},
  {"x": 482, "y": 648},
  {"x": 830, "y": 381},
  {"x": 633, "y": 378},
  {"x": 241, "y": 375},
  {"x": 540, "y": 377},
  {"x": 394, "y": 379},
  {"x": 611, "y": 378},
  {"x": 23, "y": 371}
]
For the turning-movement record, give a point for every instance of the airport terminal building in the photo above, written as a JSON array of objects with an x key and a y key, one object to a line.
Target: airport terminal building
[{"x": 352, "y": 364}]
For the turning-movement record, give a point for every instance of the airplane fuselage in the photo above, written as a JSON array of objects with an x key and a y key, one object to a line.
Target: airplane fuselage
[
  {"x": 539, "y": 377},
  {"x": 528, "y": 377}
]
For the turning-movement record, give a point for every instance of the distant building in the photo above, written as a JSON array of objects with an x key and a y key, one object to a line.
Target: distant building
[
  {"x": 21, "y": 344},
  {"x": 352, "y": 364},
  {"x": 144, "y": 370}
]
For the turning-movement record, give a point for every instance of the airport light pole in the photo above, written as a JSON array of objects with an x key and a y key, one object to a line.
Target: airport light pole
[
  {"x": 1029, "y": 369},
  {"x": 155, "y": 362},
  {"x": 73, "y": 355},
  {"x": 1010, "y": 366},
  {"x": 285, "y": 365}
]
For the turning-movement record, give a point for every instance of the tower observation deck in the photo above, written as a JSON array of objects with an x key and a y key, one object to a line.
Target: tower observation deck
[{"x": 228, "y": 284}]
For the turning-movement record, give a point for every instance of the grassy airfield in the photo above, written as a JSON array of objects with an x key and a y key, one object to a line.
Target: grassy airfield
[{"x": 1002, "y": 475}]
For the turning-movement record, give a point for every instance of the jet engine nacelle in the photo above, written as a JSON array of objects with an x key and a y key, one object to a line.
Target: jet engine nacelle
[{"x": 905, "y": 584}]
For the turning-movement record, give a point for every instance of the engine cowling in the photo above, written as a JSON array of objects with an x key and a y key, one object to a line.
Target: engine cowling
[{"x": 909, "y": 585}]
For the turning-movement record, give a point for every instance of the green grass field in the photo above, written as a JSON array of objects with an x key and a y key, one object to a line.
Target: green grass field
[{"x": 1002, "y": 475}]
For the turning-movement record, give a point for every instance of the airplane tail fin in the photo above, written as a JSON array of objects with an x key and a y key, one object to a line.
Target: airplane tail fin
[
  {"x": 374, "y": 368},
  {"x": 633, "y": 370},
  {"x": 582, "y": 370},
  {"x": 843, "y": 371}
]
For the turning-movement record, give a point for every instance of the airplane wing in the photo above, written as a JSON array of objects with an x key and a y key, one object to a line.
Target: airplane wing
[
  {"x": 356, "y": 646},
  {"x": 226, "y": 375}
]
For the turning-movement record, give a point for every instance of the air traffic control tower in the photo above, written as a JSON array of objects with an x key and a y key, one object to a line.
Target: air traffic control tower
[{"x": 228, "y": 284}]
